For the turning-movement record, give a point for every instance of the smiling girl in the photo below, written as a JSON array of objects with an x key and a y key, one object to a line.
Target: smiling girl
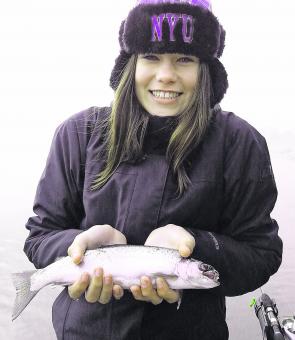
[
  {"x": 165, "y": 166},
  {"x": 166, "y": 83}
]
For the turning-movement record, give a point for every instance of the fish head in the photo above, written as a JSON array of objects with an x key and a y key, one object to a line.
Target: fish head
[{"x": 201, "y": 275}]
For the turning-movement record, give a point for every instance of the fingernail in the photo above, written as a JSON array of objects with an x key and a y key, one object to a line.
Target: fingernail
[
  {"x": 84, "y": 277},
  {"x": 144, "y": 283},
  {"x": 107, "y": 280},
  {"x": 184, "y": 251},
  {"x": 97, "y": 272},
  {"x": 160, "y": 283},
  {"x": 76, "y": 257}
]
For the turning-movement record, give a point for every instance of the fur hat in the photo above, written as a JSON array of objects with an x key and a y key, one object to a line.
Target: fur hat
[{"x": 174, "y": 26}]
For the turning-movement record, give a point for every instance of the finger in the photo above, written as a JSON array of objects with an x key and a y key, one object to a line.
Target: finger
[
  {"x": 164, "y": 291},
  {"x": 103, "y": 234},
  {"x": 118, "y": 292},
  {"x": 137, "y": 294},
  {"x": 94, "y": 289},
  {"x": 149, "y": 292},
  {"x": 119, "y": 238},
  {"x": 107, "y": 290},
  {"x": 184, "y": 250},
  {"x": 187, "y": 246},
  {"x": 79, "y": 287},
  {"x": 76, "y": 252}
]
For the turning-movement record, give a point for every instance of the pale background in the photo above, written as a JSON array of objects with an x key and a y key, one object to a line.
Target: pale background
[{"x": 55, "y": 60}]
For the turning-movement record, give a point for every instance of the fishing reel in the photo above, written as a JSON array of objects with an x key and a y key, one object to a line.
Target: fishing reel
[{"x": 272, "y": 327}]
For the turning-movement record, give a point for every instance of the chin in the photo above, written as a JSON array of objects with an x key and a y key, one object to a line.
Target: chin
[{"x": 161, "y": 112}]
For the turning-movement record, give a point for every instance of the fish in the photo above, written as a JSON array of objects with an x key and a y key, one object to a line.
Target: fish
[{"x": 126, "y": 263}]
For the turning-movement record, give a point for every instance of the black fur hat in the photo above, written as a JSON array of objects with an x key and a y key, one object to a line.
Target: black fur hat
[{"x": 174, "y": 26}]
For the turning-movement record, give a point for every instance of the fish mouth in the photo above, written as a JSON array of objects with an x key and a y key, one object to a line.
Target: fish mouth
[
  {"x": 212, "y": 274},
  {"x": 209, "y": 271}
]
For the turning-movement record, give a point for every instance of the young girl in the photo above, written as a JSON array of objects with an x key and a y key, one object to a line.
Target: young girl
[{"x": 163, "y": 166}]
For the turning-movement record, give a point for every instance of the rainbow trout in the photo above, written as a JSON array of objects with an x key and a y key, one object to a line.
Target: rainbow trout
[{"x": 126, "y": 264}]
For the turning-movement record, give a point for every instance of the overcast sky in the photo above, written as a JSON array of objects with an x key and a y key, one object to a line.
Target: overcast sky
[{"x": 56, "y": 57}]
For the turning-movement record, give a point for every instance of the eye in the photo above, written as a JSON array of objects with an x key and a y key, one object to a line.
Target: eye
[
  {"x": 151, "y": 57},
  {"x": 185, "y": 60}
]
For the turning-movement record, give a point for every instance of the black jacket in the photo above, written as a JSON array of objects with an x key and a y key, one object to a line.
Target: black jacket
[{"x": 227, "y": 207}]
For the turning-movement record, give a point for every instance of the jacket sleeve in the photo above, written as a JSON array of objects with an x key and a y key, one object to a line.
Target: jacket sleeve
[
  {"x": 58, "y": 202},
  {"x": 246, "y": 248}
]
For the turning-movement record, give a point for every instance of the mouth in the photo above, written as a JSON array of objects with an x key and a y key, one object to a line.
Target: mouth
[
  {"x": 165, "y": 95},
  {"x": 209, "y": 271},
  {"x": 212, "y": 274}
]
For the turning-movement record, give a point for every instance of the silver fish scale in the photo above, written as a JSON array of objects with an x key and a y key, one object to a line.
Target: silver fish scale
[
  {"x": 127, "y": 263},
  {"x": 135, "y": 250},
  {"x": 134, "y": 260}
]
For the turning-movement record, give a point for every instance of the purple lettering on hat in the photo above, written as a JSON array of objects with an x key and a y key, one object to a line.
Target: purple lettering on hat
[
  {"x": 172, "y": 20},
  {"x": 157, "y": 22},
  {"x": 187, "y": 36}
]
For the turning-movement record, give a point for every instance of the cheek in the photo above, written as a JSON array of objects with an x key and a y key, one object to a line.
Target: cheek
[
  {"x": 139, "y": 87},
  {"x": 141, "y": 76},
  {"x": 192, "y": 78}
]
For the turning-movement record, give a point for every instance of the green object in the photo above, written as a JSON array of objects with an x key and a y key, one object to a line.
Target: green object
[{"x": 252, "y": 303}]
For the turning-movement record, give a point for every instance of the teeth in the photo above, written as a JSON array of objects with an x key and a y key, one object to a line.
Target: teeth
[{"x": 165, "y": 94}]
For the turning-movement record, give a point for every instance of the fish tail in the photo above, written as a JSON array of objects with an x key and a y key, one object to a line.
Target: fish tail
[{"x": 22, "y": 283}]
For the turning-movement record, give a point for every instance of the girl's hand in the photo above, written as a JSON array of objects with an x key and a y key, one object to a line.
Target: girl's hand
[
  {"x": 98, "y": 288},
  {"x": 172, "y": 236},
  {"x": 169, "y": 236},
  {"x": 98, "y": 235},
  {"x": 146, "y": 292}
]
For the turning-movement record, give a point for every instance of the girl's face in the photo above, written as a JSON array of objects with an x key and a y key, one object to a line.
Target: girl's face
[{"x": 165, "y": 83}]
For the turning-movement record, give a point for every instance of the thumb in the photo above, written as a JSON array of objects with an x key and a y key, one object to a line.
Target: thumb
[
  {"x": 184, "y": 250},
  {"x": 119, "y": 238},
  {"x": 186, "y": 247},
  {"x": 76, "y": 252}
]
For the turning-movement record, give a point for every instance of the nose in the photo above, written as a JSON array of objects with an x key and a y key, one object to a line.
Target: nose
[{"x": 166, "y": 73}]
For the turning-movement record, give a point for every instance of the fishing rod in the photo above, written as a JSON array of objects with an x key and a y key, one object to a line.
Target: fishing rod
[{"x": 273, "y": 328}]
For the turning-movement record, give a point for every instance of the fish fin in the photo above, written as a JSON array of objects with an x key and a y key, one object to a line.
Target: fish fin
[
  {"x": 53, "y": 285},
  {"x": 168, "y": 278},
  {"x": 180, "y": 299},
  {"x": 171, "y": 277},
  {"x": 60, "y": 284},
  {"x": 22, "y": 283}
]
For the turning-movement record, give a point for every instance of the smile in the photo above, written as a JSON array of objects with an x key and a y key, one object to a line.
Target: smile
[{"x": 165, "y": 94}]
